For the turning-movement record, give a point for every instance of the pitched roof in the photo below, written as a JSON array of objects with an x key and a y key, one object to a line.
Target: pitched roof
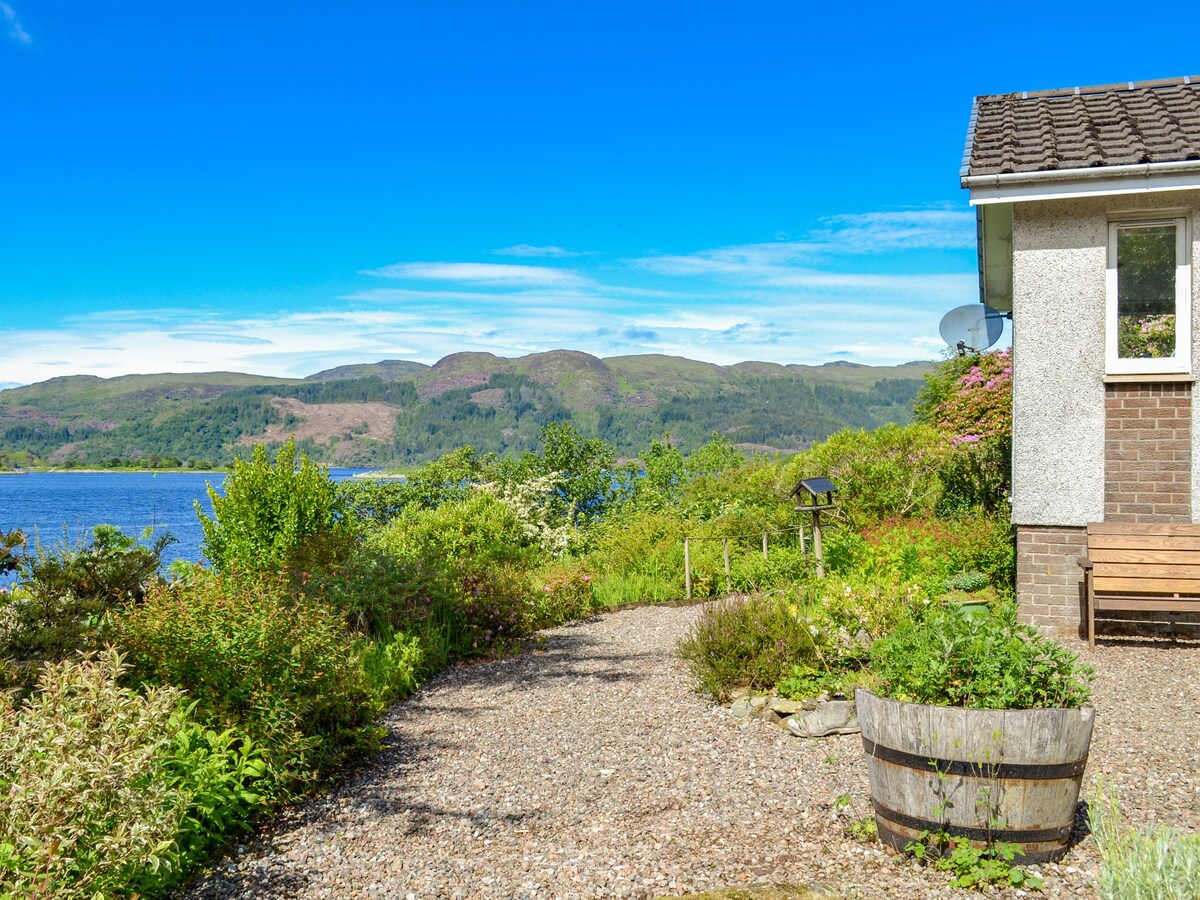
[{"x": 1084, "y": 128}]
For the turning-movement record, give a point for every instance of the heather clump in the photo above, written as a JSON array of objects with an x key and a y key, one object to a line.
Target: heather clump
[{"x": 750, "y": 642}]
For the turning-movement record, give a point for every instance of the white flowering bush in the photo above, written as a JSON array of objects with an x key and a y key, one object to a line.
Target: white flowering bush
[{"x": 531, "y": 501}]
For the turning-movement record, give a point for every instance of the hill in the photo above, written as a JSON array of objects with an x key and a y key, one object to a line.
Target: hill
[{"x": 397, "y": 411}]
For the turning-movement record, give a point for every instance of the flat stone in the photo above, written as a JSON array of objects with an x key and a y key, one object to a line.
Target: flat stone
[{"x": 786, "y": 707}]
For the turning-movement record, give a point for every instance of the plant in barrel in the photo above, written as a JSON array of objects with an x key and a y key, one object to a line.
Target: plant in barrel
[{"x": 976, "y": 741}]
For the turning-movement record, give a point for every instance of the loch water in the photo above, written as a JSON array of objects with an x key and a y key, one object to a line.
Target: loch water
[{"x": 63, "y": 507}]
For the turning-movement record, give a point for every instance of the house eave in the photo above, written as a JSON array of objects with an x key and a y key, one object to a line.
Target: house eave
[{"x": 1056, "y": 184}]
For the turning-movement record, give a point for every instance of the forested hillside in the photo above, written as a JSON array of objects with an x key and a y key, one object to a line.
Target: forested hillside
[{"x": 398, "y": 411}]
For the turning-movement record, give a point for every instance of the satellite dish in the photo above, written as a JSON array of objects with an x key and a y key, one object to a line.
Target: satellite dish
[{"x": 972, "y": 327}]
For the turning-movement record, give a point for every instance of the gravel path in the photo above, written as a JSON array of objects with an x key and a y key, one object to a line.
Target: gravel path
[{"x": 587, "y": 768}]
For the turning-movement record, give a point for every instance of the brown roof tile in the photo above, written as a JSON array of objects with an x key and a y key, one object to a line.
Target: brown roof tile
[{"x": 1080, "y": 128}]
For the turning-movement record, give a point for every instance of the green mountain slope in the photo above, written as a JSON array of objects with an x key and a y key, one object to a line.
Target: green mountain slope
[{"x": 399, "y": 411}]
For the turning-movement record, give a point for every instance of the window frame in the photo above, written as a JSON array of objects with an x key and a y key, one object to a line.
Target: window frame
[{"x": 1181, "y": 362}]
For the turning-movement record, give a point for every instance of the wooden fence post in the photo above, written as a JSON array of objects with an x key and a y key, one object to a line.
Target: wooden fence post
[
  {"x": 687, "y": 568},
  {"x": 727, "y": 584},
  {"x": 816, "y": 522}
]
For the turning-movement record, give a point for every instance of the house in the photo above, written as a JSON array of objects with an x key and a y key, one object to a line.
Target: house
[{"x": 1088, "y": 211}]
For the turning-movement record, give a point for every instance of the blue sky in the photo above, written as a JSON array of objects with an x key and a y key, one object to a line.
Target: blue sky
[{"x": 280, "y": 188}]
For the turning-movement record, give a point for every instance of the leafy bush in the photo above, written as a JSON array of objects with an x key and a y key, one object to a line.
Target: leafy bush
[
  {"x": 947, "y": 658},
  {"x": 889, "y": 472},
  {"x": 279, "y": 668},
  {"x": 217, "y": 775},
  {"x": 746, "y": 642},
  {"x": 269, "y": 512},
  {"x": 565, "y": 594},
  {"x": 392, "y": 663},
  {"x": 85, "y": 801},
  {"x": 64, "y": 596},
  {"x": 926, "y": 552},
  {"x": 1148, "y": 863},
  {"x": 12, "y": 543}
]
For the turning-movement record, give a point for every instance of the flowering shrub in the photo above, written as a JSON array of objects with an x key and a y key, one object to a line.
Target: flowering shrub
[
  {"x": 565, "y": 594},
  {"x": 970, "y": 401},
  {"x": 530, "y": 501},
  {"x": 980, "y": 404}
]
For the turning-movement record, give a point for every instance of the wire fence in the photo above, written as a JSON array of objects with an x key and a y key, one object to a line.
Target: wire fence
[{"x": 725, "y": 539}]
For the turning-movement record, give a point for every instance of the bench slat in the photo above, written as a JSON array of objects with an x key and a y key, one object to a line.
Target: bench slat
[
  {"x": 1143, "y": 542},
  {"x": 1166, "y": 557},
  {"x": 1147, "y": 604},
  {"x": 1143, "y": 528},
  {"x": 1147, "y": 585},
  {"x": 1145, "y": 570}
]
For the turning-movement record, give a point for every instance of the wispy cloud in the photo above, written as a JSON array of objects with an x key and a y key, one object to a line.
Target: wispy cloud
[
  {"x": 531, "y": 250},
  {"x": 841, "y": 236},
  {"x": 15, "y": 30},
  {"x": 494, "y": 274}
]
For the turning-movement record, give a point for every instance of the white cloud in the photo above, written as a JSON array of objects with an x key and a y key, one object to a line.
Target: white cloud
[
  {"x": 494, "y": 274},
  {"x": 530, "y": 250},
  {"x": 15, "y": 30}
]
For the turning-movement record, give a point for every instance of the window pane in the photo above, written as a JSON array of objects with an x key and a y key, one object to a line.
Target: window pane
[{"x": 1145, "y": 291}]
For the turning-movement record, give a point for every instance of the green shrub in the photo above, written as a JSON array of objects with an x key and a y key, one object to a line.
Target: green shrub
[
  {"x": 392, "y": 664},
  {"x": 64, "y": 597},
  {"x": 784, "y": 565},
  {"x": 85, "y": 801},
  {"x": 270, "y": 512},
  {"x": 565, "y": 594},
  {"x": 746, "y": 642},
  {"x": 926, "y": 552},
  {"x": 280, "y": 668},
  {"x": 947, "y": 658},
  {"x": 461, "y": 536},
  {"x": 1148, "y": 863},
  {"x": 218, "y": 776},
  {"x": 889, "y": 472},
  {"x": 376, "y": 592}
]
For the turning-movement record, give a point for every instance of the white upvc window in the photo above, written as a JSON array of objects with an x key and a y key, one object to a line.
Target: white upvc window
[{"x": 1149, "y": 286}]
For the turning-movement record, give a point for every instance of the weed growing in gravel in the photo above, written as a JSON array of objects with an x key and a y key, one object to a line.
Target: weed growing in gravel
[
  {"x": 973, "y": 867},
  {"x": 1150, "y": 863}
]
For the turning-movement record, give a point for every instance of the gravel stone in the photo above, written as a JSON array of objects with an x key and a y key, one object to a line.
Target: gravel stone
[{"x": 586, "y": 767}]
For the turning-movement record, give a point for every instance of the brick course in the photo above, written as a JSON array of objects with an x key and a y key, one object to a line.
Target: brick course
[
  {"x": 1148, "y": 452},
  {"x": 1049, "y": 580}
]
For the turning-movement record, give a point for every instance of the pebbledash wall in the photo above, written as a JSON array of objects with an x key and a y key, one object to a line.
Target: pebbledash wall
[{"x": 1087, "y": 448}]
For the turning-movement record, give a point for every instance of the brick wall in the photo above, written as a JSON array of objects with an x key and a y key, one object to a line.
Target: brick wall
[
  {"x": 1049, "y": 580},
  {"x": 1147, "y": 452}
]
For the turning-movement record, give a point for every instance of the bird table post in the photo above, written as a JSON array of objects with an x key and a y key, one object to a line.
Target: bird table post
[{"x": 813, "y": 488}]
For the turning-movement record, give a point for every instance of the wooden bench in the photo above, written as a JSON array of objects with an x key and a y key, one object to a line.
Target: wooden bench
[{"x": 1134, "y": 567}]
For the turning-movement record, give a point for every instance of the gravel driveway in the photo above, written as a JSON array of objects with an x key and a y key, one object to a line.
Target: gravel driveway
[{"x": 587, "y": 768}]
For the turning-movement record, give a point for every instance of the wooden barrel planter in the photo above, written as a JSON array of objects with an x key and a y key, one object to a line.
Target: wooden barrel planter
[{"x": 980, "y": 774}]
